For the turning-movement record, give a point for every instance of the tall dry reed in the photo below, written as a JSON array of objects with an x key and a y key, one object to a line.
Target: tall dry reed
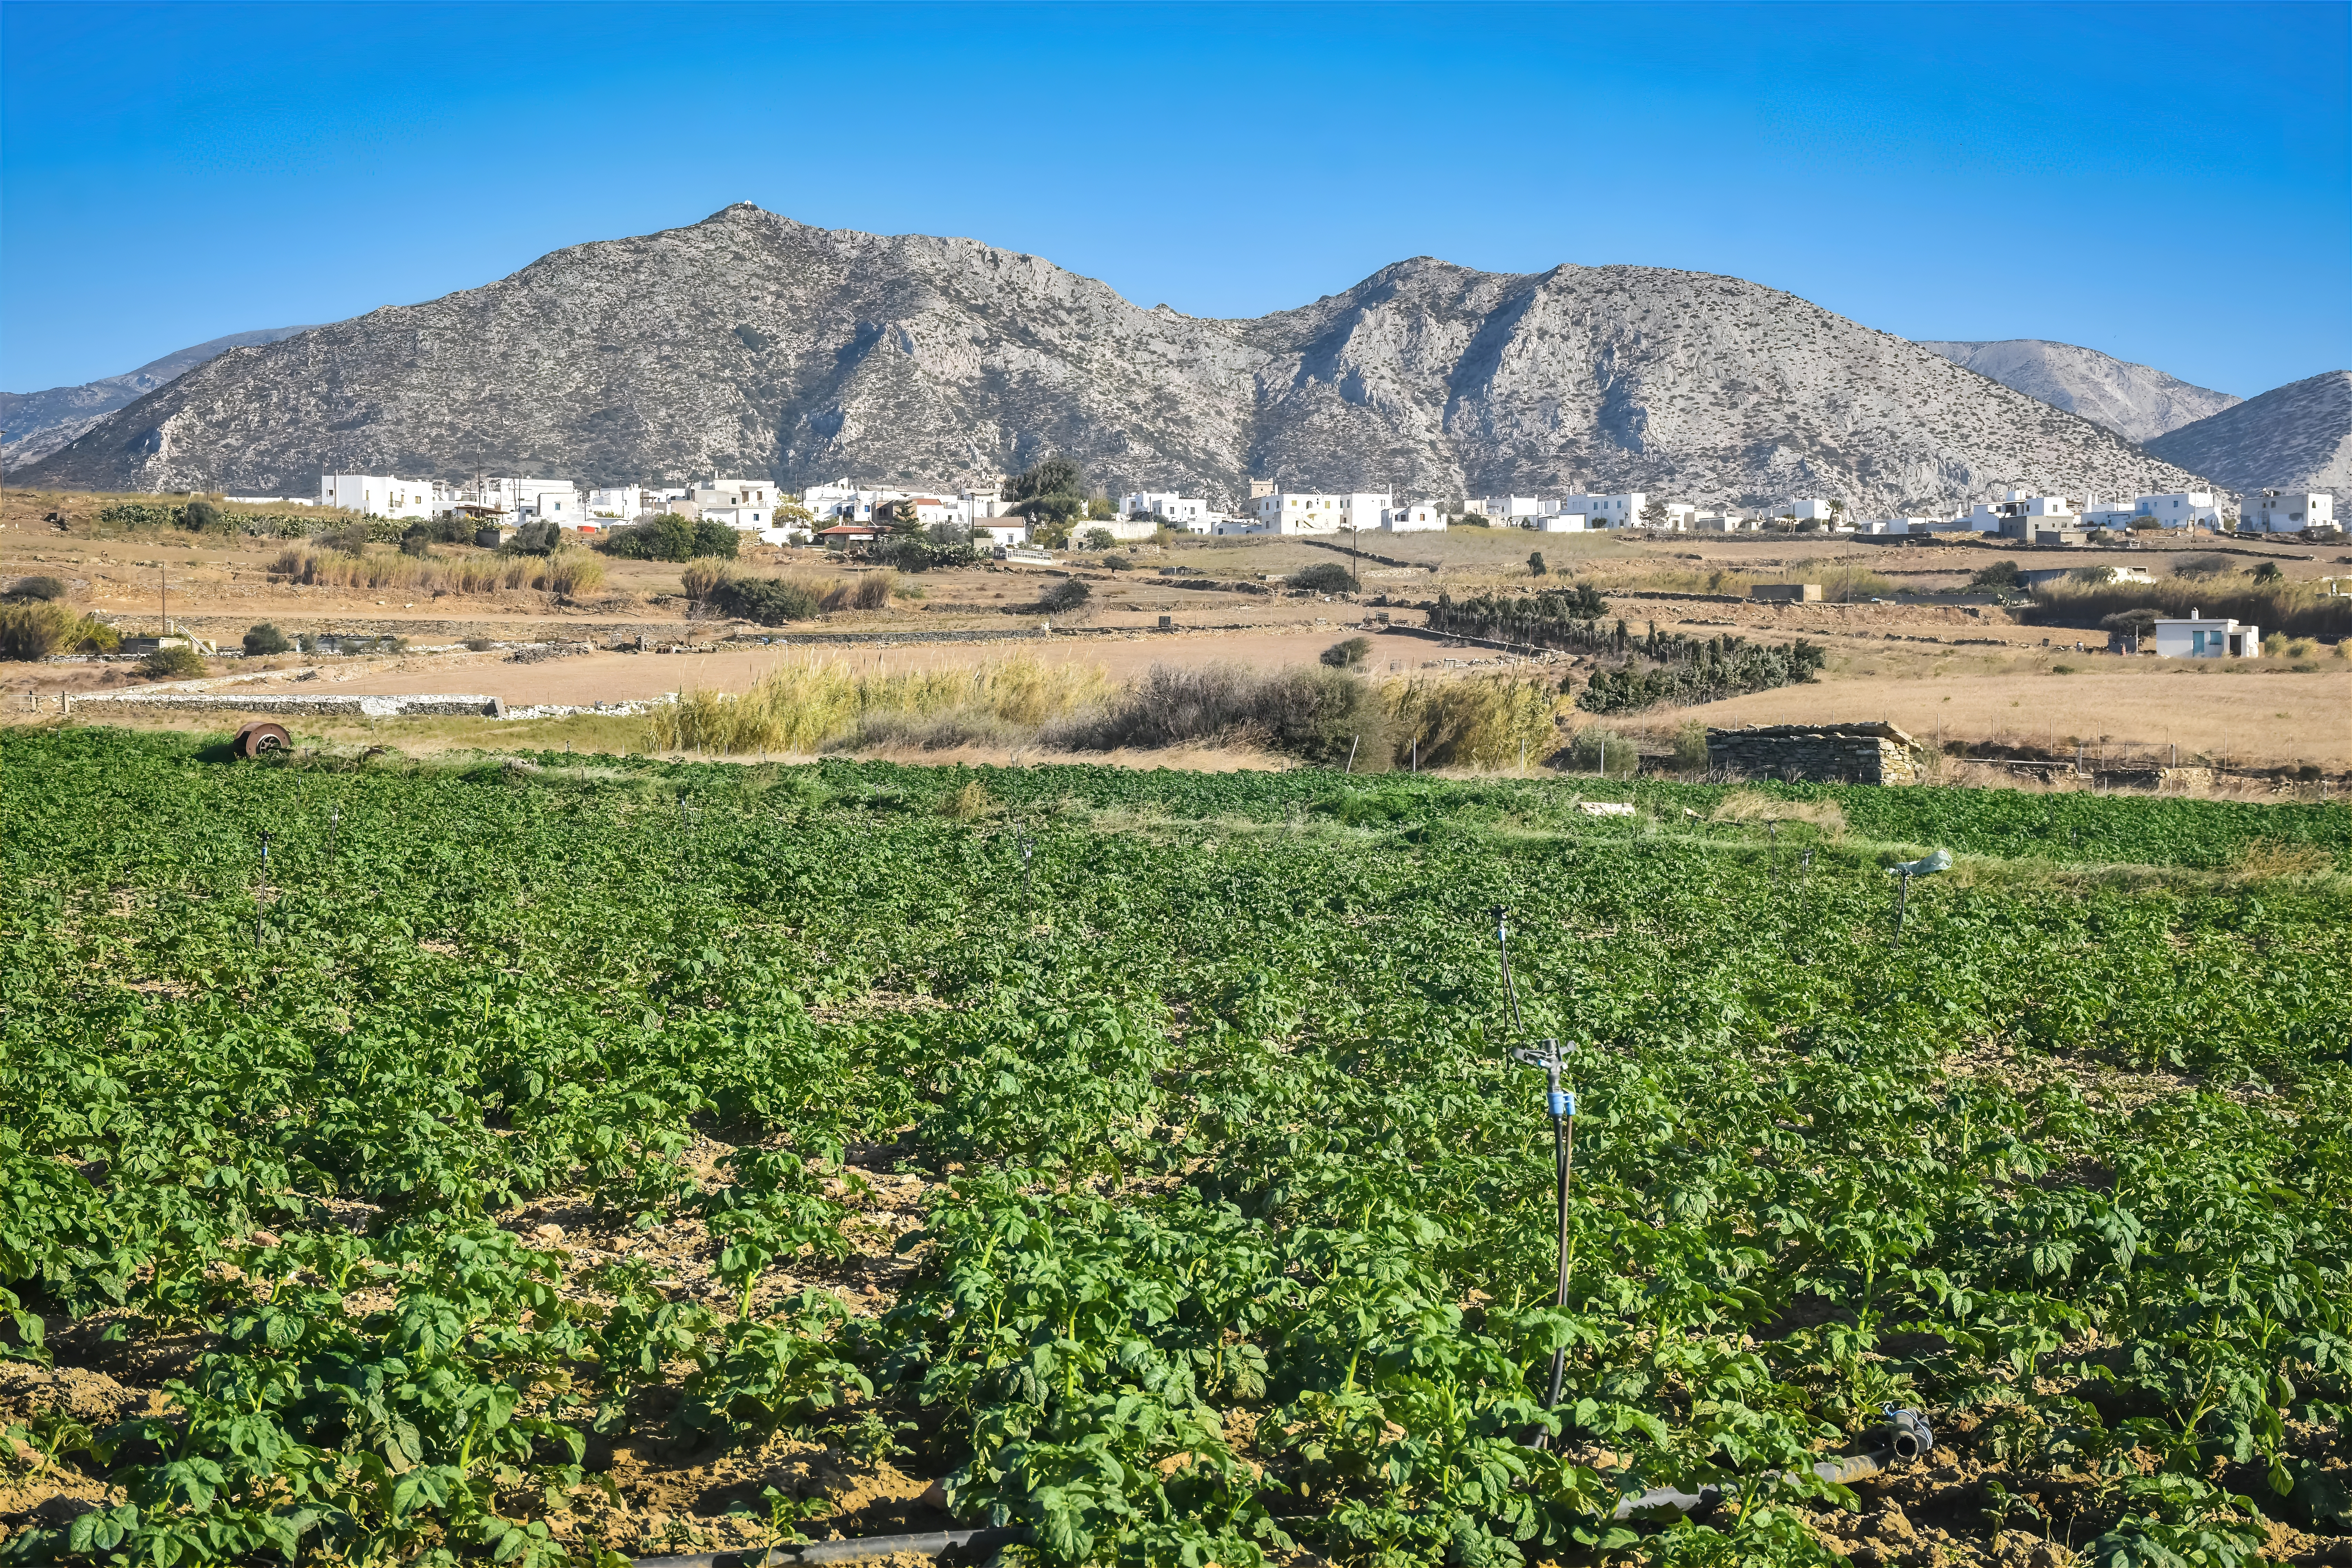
[
  {"x": 808, "y": 702},
  {"x": 567, "y": 571}
]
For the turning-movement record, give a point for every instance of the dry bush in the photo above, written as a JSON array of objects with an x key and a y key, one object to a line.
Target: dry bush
[
  {"x": 1486, "y": 722},
  {"x": 971, "y": 802},
  {"x": 1319, "y": 714},
  {"x": 2286, "y": 608},
  {"x": 2268, "y": 857},
  {"x": 874, "y": 589},
  {"x": 40, "y": 627},
  {"x": 1752, "y": 805},
  {"x": 700, "y": 577},
  {"x": 807, "y": 703},
  {"x": 567, "y": 571}
]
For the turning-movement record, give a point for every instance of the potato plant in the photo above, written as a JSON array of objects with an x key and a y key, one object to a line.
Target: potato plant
[{"x": 1241, "y": 1229}]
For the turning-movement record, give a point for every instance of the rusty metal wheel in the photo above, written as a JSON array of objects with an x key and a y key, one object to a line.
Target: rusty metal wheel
[{"x": 261, "y": 736}]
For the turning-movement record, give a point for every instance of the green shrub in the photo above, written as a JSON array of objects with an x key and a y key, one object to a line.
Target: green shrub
[
  {"x": 1064, "y": 596},
  {"x": 716, "y": 539},
  {"x": 771, "y": 601},
  {"x": 36, "y": 628},
  {"x": 266, "y": 638},
  {"x": 38, "y": 588},
  {"x": 203, "y": 517},
  {"x": 178, "y": 662},
  {"x": 1604, "y": 752},
  {"x": 1349, "y": 654},
  {"x": 1535, "y": 567},
  {"x": 1317, "y": 715},
  {"x": 1999, "y": 574},
  {"x": 1323, "y": 577},
  {"x": 534, "y": 539}
]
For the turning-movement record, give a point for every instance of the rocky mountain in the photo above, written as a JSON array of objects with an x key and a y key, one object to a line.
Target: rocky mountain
[
  {"x": 2293, "y": 437},
  {"x": 2136, "y": 401},
  {"x": 748, "y": 344},
  {"x": 38, "y": 423}
]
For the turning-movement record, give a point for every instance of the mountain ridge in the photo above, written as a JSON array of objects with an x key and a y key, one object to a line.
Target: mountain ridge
[
  {"x": 751, "y": 343},
  {"x": 2293, "y": 437},
  {"x": 38, "y": 423},
  {"x": 2136, "y": 402}
]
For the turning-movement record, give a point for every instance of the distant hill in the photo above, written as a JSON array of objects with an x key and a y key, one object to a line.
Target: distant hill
[
  {"x": 38, "y": 423},
  {"x": 2292, "y": 438},
  {"x": 749, "y": 343},
  {"x": 2136, "y": 401}
]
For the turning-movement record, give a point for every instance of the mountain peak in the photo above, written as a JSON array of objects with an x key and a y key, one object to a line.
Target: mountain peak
[{"x": 749, "y": 342}]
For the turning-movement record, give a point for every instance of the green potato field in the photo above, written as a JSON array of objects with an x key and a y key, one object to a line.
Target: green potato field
[{"x": 1139, "y": 1156}]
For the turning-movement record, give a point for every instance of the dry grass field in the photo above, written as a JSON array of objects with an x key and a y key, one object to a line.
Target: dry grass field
[{"x": 1973, "y": 673}]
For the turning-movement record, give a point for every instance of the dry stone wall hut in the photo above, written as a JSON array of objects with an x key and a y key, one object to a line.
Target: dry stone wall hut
[{"x": 1875, "y": 754}]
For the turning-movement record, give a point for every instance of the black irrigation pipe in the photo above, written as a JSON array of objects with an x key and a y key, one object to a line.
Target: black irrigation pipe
[
  {"x": 1911, "y": 1440},
  {"x": 855, "y": 1549}
]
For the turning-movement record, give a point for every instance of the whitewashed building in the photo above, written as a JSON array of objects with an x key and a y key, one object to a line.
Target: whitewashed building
[
  {"x": 1607, "y": 511},
  {"x": 1294, "y": 512},
  {"x": 616, "y": 503},
  {"x": 1725, "y": 522},
  {"x": 1807, "y": 508},
  {"x": 2182, "y": 509},
  {"x": 1000, "y": 530},
  {"x": 1187, "y": 513},
  {"x": 2285, "y": 511},
  {"x": 1412, "y": 520},
  {"x": 1987, "y": 517},
  {"x": 2201, "y": 636},
  {"x": 1560, "y": 522},
  {"x": 377, "y": 495},
  {"x": 1513, "y": 511}
]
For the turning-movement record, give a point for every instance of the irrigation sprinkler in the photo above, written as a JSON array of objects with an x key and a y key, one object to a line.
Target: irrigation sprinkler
[
  {"x": 1927, "y": 866},
  {"x": 1560, "y": 1103}
]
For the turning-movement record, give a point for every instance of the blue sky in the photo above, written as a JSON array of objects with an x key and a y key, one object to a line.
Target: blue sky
[{"x": 2171, "y": 184}]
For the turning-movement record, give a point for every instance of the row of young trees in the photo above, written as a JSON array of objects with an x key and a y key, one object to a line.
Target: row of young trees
[{"x": 1658, "y": 666}]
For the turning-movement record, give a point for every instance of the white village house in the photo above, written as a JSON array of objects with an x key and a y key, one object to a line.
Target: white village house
[
  {"x": 377, "y": 495},
  {"x": 1296, "y": 511},
  {"x": 1188, "y": 513},
  {"x": 2285, "y": 511},
  {"x": 1607, "y": 511},
  {"x": 2199, "y": 637}
]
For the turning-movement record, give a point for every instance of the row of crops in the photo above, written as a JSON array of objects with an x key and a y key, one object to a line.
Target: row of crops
[{"x": 1239, "y": 1234}]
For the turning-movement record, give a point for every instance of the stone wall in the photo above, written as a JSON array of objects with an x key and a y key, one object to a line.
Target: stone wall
[
  {"x": 364, "y": 707},
  {"x": 1876, "y": 753}
]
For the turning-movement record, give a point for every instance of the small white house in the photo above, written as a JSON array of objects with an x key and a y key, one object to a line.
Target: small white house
[
  {"x": 1807, "y": 509},
  {"x": 2183, "y": 508},
  {"x": 377, "y": 495},
  {"x": 1607, "y": 511},
  {"x": 1895, "y": 525},
  {"x": 1515, "y": 512},
  {"x": 2285, "y": 511},
  {"x": 1560, "y": 522},
  {"x": 618, "y": 503},
  {"x": 1000, "y": 530},
  {"x": 1679, "y": 514},
  {"x": 553, "y": 501},
  {"x": 2199, "y": 637},
  {"x": 1725, "y": 522},
  {"x": 1187, "y": 513},
  {"x": 1296, "y": 511},
  {"x": 1412, "y": 520},
  {"x": 1988, "y": 517},
  {"x": 742, "y": 519}
]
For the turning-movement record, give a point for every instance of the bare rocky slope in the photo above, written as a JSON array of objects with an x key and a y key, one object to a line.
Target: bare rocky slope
[
  {"x": 2135, "y": 401},
  {"x": 749, "y": 343},
  {"x": 2293, "y": 437},
  {"x": 38, "y": 423}
]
